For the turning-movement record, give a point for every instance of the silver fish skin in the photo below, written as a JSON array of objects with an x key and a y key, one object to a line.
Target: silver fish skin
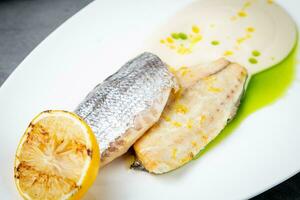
[{"x": 125, "y": 105}]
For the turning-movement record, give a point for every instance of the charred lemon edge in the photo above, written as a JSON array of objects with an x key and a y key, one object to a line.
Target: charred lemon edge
[{"x": 90, "y": 173}]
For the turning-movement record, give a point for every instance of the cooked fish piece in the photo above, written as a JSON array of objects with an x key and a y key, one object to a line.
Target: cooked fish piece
[
  {"x": 126, "y": 104},
  {"x": 187, "y": 76},
  {"x": 192, "y": 119}
]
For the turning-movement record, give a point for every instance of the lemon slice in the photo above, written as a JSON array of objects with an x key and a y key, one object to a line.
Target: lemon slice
[{"x": 57, "y": 158}]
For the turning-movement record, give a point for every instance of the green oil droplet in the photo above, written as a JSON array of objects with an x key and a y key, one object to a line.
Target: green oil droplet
[
  {"x": 215, "y": 42},
  {"x": 175, "y": 36},
  {"x": 255, "y": 53},
  {"x": 182, "y": 36},
  {"x": 263, "y": 89},
  {"x": 252, "y": 61}
]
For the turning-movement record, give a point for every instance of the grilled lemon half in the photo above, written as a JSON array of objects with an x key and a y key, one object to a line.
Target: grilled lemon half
[{"x": 57, "y": 157}]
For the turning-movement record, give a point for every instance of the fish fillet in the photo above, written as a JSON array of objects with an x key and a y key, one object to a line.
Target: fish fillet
[
  {"x": 126, "y": 104},
  {"x": 193, "y": 117}
]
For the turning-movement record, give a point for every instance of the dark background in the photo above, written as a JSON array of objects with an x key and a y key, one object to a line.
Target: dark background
[{"x": 25, "y": 23}]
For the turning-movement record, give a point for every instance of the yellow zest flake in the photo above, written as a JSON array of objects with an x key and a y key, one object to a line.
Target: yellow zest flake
[
  {"x": 184, "y": 70},
  {"x": 166, "y": 118},
  {"x": 228, "y": 53},
  {"x": 195, "y": 39},
  {"x": 171, "y": 46},
  {"x": 184, "y": 160},
  {"x": 247, "y": 5},
  {"x": 250, "y": 29},
  {"x": 176, "y": 124},
  {"x": 195, "y": 29},
  {"x": 183, "y": 50},
  {"x": 209, "y": 79},
  {"x": 170, "y": 40},
  {"x": 188, "y": 158},
  {"x": 270, "y": 1},
  {"x": 202, "y": 119},
  {"x": 180, "y": 108},
  {"x": 174, "y": 153},
  {"x": 215, "y": 90},
  {"x": 204, "y": 137},
  {"x": 190, "y": 124},
  {"x": 248, "y": 36},
  {"x": 172, "y": 69},
  {"x": 162, "y": 41},
  {"x": 152, "y": 164},
  {"x": 242, "y": 13},
  {"x": 240, "y": 40},
  {"x": 194, "y": 144},
  {"x": 243, "y": 39}
]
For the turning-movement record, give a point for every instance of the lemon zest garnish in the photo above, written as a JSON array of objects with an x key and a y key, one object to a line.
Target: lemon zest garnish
[
  {"x": 190, "y": 124},
  {"x": 240, "y": 40},
  {"x": 184, "y": 70},
  {"x": 172, "y": 69},
  {"x": 204, "y": 137},
  {"x": 247, "y": 5},
  {"x": 209, "y": 79},
  {"x": 177, "y": 124},
  {"x": 242, "y": 13},
  {"x": 170, "y": 40},
  {"x": 215, "y": 90},
  {"x": 180, "y": 108},
  {"x": 195, "y": 29},
  {"x": 183, "y": 50},
  {"x": 250, "y": 29},
  {"x": 202, "y": 119},
  {"x": 228, "y": 53},
  {"x": 194, "y": 144},
  {"x": 174, "y": 153},
  {"x": 166, "y": 118}
]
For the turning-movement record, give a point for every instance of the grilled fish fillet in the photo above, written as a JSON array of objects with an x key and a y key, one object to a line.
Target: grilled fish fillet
[
  {"x": 126, "y": 104},
  {"x": 192, "y": 118}
]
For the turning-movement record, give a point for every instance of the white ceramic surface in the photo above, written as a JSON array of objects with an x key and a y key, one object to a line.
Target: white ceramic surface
[{"x": 94, "y": 43}]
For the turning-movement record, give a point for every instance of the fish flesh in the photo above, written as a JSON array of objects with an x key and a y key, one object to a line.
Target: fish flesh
[
  {"x": 121, "y": 109},
  {"x": 193, "y": 117}
]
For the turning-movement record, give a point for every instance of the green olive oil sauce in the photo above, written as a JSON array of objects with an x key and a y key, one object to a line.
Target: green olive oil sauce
[{"x": 263, "y": 89}]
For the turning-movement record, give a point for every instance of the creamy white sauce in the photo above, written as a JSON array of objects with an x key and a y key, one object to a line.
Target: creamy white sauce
[{"x": 226, "y": 28}]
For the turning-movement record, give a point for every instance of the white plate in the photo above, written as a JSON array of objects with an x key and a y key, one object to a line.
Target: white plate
[{"x": 261, "y": 153}]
